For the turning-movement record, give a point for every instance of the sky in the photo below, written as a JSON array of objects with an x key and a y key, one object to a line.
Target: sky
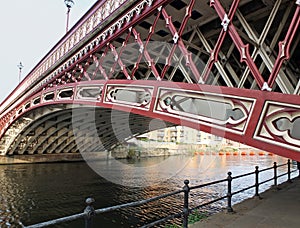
[{"x": 29, "y": 29}]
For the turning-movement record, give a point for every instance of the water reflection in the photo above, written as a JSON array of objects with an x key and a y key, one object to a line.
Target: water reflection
[
  {"x": 140, "y": 173},
  {"x": 39, "y": 192}
]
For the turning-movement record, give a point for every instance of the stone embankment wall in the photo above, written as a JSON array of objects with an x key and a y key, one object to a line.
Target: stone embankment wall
[
  {"x": 151, "y": 150},
  {"x": 40, "y": 158},
  {"x": 141, "y": 150}
]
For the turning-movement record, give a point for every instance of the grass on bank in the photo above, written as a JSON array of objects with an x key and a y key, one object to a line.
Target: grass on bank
[{"x": 194, "y": 217}]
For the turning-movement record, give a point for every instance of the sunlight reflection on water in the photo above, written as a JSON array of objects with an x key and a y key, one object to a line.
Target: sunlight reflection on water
[{"x": 34, "y": 193}]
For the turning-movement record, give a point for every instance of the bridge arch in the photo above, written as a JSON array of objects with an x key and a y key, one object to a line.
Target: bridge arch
[
  {"x": 242, "y": 48},
  {"x": 122, "y": 110},
  {"x": 74, "y": 129}
]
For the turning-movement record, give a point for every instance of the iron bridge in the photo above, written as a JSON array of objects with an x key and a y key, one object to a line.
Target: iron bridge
[{"x": 227, "y": 67}]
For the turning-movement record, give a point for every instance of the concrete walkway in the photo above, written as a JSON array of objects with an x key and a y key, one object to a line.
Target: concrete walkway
[{"x": 277, "y": 209}]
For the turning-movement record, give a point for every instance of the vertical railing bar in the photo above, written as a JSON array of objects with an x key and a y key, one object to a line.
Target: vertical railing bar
[
  {"x": 289, "y": 170},
  {"x": 298, "y": 167},
  {"x": 89, "y": 211},
  {"x": 186, "y": 189},
  {"x": 256, "y": 181},
  {"x": 229, "y": 193},
  {"x": 275, "y": 174}
]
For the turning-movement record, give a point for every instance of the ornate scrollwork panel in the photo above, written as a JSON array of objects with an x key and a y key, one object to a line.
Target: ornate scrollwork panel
[
  {"x": 229, "y": 113},
  {"x": 130, "y": 96},
  {"x": 89, "y": 92},
  {"x": 280, "y": 124}
]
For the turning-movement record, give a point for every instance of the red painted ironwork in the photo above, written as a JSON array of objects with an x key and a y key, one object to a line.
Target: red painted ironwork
[
  {"x": 143, "y": 46},
  {"x": 284, "y": 46},
  {"x": 102, "y": 70},
  {"x": 176, "y": 37},
  {"x": 77, "y": 72},
  {"x": 252, "y": 103},
  {"x": 243, "y": 48},
  {"x": 177, "y": 40},
  {"x": 83, "y": 72},
  {"x": 225, "y": 22},
  {"x": 117, "y": 58},
  {"x": 151, "y": 63},
  {"x": 68, "y": 42}
]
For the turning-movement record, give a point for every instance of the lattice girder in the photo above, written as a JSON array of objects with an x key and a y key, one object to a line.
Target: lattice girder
[{"x": 218, "y": 58}]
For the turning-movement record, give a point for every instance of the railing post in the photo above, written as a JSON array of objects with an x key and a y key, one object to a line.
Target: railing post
[
  {"x": 186, "y": 189},
  {"x": 298, "y": 167},
  {"x": 289, "y": 170},
  {"x": 275, "y": 174},
  {"x": 89, "y": 211},
  {"x": 256, "y": 181},
  {"x": 229, "y": 194}
]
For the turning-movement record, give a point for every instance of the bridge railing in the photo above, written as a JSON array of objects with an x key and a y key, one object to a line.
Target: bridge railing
[
  {"x": 92, "y": 19},
  {"x": 89, "y": 212}
]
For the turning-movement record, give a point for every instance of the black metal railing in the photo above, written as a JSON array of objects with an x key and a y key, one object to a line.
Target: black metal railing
[{"x": 90, "y": 212}]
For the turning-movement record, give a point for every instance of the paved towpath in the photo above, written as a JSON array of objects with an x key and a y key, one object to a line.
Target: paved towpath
[{"x": 277, "y": 209}]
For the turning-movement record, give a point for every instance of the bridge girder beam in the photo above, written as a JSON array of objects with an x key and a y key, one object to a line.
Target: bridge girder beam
[{"x": 261, "y": 119}]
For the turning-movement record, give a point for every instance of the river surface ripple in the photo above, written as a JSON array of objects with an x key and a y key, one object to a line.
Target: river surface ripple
[{"x": 34, "y": 193}]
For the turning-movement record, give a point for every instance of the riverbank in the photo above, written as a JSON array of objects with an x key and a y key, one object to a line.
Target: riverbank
[
  {"x": 40, "y": 158},
  {"x": 152, "y": 149},
  {"x": 135, "y": 150},
  {"x": 124, "y": 152},
  {"x": 276, "y": 208}
]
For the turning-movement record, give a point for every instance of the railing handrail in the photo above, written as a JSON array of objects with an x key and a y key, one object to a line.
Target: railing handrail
[{"x": 89, "y": 211}]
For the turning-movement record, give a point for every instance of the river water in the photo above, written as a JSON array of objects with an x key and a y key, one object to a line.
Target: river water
[{"x": 33, "y": 193}]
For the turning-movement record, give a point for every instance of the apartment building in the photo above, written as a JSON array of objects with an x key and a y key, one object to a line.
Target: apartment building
[{"x": 182, "y": 134}]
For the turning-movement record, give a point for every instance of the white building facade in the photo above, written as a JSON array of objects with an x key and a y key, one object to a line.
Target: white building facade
[{"x": 184, "y": 135}]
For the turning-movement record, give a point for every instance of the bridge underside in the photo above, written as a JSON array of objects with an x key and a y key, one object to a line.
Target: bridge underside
[
  {"x": 201, "y": 48},
  {"x": 71, "y": 128},
  {"x": 234, "y": 43}
]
